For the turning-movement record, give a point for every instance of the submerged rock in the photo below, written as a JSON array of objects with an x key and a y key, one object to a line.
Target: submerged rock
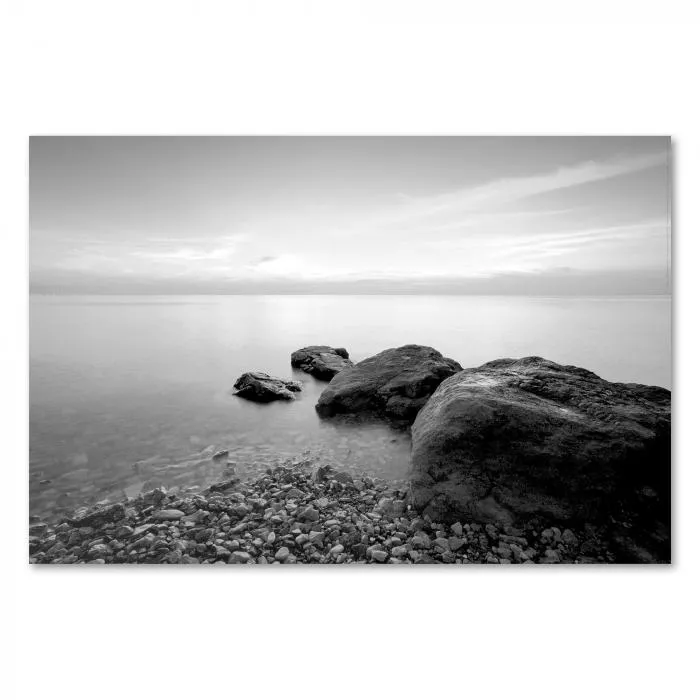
[
  {"x": 517, "y": 439},
  {"x": 321, "y": 361},
  {"x": 396, "y": 383},
  {"x": 95, "y": 517},
  {"x": 261, "y": 387}
]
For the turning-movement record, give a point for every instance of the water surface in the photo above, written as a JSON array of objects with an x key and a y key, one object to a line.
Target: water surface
[{"x": 114, "y": 380}]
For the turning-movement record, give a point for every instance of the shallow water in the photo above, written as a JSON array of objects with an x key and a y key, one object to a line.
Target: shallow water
[{"x": 115, "y": 380}]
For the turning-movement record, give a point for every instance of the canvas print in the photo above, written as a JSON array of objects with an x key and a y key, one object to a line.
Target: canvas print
[{"x": 350, "y": 350}]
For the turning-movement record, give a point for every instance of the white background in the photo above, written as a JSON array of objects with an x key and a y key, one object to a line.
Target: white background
[{"x": 506, "y": 67}]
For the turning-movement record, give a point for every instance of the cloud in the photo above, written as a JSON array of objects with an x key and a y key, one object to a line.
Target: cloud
[
  {"x": 216, "y": 248},
  {"x": 186, "y": 254},
  {"x": 281, "y": 265},
  {"x": 506, "y": 190}
]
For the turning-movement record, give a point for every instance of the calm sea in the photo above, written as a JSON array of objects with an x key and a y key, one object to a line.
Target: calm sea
[{"x": 115, "y": 380}]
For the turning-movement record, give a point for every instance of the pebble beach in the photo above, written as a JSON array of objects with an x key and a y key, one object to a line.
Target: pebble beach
[{"x": 299, "y": 512}]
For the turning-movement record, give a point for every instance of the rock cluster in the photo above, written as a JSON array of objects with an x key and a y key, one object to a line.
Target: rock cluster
[
  {"x": 261, "y": 387},
  {"x": 321, "y": 361},
  {"x": 296, "y": 515},
  {"x": 394, "y": 384}
]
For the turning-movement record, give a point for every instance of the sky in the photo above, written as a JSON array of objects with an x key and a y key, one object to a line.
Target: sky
[{"x": 351, "y": 215}]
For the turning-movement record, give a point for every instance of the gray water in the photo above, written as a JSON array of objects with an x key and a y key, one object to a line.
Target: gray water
[{"x": 115, "y": 380}]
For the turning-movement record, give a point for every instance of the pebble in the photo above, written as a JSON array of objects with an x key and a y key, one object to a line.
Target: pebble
[
  {"x": 169, "y": 514},
  {"x": 282, "y": 554},
  {"x": 239, "y": 558},
  {"x": 309, "y": 514},
  {"x": 316, "y": 538},
  {"x": 379, "y": 555}
]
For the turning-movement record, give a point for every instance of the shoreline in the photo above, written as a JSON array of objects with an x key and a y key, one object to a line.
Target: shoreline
[{"x": 297, "y": 513}]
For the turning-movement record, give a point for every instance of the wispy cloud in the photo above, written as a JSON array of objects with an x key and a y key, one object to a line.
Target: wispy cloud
[
  {"x": 507, "y": 190},
  {"x": 217, "y": 248},
  {"x": 187, "y": 254},
  {"x": 485, "y": 206}
]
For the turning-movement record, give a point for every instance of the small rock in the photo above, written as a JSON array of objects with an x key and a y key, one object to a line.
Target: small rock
[
  {"x": 38, "y": 529},
  {"x": 282, "y": 554},
  {"x": 420, "y": 541},
  {"x": 316, "y": 538},
  {"x": 310, "y": 514},
  {"x": 239, "y": 558},
  {"x": 169, "y": 514},
  {"x": 551, "y": 556},
  {"x": 379, "y": 555},
  {"x": 569, "y": 539}
]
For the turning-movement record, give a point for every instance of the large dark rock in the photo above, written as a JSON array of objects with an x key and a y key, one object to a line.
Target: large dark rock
[
  {"x": 396, "y": 383},
  {"x": 514, "y": 440},
  {"x": 321, "y": 361},
  {"x": 261, "y": 387}
]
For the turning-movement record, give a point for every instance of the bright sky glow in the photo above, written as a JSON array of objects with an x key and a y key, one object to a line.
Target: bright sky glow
[{"x": 273, "y": 214}]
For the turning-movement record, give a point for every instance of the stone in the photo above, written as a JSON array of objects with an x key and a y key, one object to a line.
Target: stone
[
  {"x": 399, "y": 551},
  {"x": 239, "y": 558},
  {"x": 390, "y": 507},
  {"x": 154, "y": 497},
  {"x": 517, "y": 439},
  {"x": 359, "y": 550},
  {"x": 169, "y": 514},
  {"x": 551, "y": 556},
  {"x": 99, "y": 551},
  {"x": 379, "y": 555},
  {"x": 261, "y": 387},
  {"x": 321, "y": 361},
  {"x": 337, "y": 549},
  {"x": 241, "y": 510},
  {"x": 457, "y": 529},
  {"x": 282, "y": 554},
  {"x": 38, "y": 529},
  {"x": 394, "y": 384},
  {"x": 316, "y": 538},
  {"x": 441, "y": 543},
  {"x": 420, "y": 541},
  {"x": 456, "y": 543},
  {"x": 491, "y": 531},
  {"x": 569, "y": 539},
  {"x": 310, "y": 514},
  {"x": 95, "y": 518}
]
